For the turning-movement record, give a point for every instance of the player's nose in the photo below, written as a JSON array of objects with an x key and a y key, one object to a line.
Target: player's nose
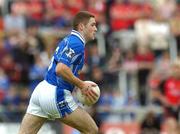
[{"x": 95, "y": 29}]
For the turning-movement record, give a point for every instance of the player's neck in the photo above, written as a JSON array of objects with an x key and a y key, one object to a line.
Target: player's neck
[{"x": 80, "y": 35}]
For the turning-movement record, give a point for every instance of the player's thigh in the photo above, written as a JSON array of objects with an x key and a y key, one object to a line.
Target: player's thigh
[
  {"x": 31, "y": 124},
  {"x": 80, "y": 120}
]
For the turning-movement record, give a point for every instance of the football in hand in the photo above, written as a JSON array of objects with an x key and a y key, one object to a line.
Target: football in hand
[{"x": 83, "y": 99}]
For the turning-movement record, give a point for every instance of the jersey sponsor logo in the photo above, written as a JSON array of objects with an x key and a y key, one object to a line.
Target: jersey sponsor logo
[{"x": 69, "y": 53}]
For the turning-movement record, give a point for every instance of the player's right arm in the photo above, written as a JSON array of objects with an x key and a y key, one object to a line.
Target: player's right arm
[
  {"x": 65, "y": 55},
  {"x": 65, "y": 72}
]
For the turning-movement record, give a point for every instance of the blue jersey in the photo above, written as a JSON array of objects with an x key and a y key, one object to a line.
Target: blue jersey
[{"x": 70, "y": 51}]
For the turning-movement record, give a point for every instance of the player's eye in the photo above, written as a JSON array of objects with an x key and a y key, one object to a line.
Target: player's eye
[{"x": 93, "y": 24}]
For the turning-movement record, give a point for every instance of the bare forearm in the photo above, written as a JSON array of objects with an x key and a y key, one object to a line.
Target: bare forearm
[{"x": 65, "y": 72}]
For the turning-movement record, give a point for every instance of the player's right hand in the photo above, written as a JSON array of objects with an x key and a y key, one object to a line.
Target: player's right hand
[{"x": 88, "y": 92}]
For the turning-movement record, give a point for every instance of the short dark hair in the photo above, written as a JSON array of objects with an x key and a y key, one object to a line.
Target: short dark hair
[{"x": 81, "y": 17}]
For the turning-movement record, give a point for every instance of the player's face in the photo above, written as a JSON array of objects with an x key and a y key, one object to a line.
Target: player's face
[{"x": 90, "y": 29}]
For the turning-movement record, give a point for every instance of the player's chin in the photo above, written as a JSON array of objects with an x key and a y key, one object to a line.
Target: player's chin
[{"x": 93, "y": 37}]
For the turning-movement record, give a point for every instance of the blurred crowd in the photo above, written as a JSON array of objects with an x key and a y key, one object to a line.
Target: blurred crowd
[{"x": 134, "y": 59}]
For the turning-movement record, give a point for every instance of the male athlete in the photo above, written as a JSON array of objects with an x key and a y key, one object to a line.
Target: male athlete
[{"x": 52, "y": 98}]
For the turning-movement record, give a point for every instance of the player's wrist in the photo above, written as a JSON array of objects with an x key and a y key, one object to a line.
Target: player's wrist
[{"x": 79, "y": 83}]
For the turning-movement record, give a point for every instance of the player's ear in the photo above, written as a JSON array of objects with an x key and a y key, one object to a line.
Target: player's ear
[{"x": 81, "y": 26}]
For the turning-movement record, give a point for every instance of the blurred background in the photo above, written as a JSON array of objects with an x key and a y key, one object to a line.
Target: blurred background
[{"x": 134, "y": 60}]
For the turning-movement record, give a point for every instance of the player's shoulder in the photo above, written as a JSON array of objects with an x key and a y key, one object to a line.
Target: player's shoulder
[
  {"x": 72, "y": 42},
  {"x": 75, "y": 42}
]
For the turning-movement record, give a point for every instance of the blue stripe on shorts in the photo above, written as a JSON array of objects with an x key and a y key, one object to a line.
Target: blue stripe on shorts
[{"x": 62, "y": 104}]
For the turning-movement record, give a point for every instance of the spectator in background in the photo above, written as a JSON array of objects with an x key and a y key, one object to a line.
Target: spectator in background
[
  {"x": 130, "y": 66},
  {"x": 113, "y": 67},
  {"x": 14, "y": 21},
  {"x": 74, "y": 6},
  {"x": 115, "y": 60},
  {"x": 20, "y": 6},
  {"x": 145, "y": 59},
  {"x": 175, "y": 27},
  {"x": 4, "y": 81},
  {"x": 48, "y": 19},
  {"x": 97, "y": 7},
  {"x": 34, "y": 39},
  {"x": 150, "y": 124},
  {"x": 94, "y": 58},
  {"x": 34, "y": 14},
  {"x": 11, "y": 104},
  {"x": 59, "y": 12},
  {"x": 169, "y": 95},
  {"x": 11, "y": 40},
  {"x": 161, "y": 67},
  {"x": 23, "y": 57},
  {"x": 161, "y": 71},
  {"x": 14, "y": 102},
  {"x": 4, "y": 84},
  {"x": 11, "y": 68},
  {"x": 3, "y": 49},
  {"x": 63, "y": 21},
  {"x": 23, "y": 96},
  {"x": 124, "y": 13},
  {"x": 171, "y": 126},
  {"x": 55, "y": 8},
  {"x": 1, "y": 24},
  {"x": 97, "y": 75},
  {"x": 129, "y": 63},
  {"x": 153, "y": 31},
  {"x": 36, "y": 72},
  {"x": 102, "y": 24},
  {"x": 166, "y": 8}
]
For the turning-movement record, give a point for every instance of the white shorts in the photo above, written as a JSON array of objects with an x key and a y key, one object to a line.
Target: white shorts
[{"x": 44, "y": 102}]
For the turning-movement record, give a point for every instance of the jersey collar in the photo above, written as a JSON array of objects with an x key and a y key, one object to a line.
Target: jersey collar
[{"x": 78, "y": 34}]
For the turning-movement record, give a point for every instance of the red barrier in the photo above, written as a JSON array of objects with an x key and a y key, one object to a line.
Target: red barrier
[
  {"x": 120, "y": 128},
  {"x": 109, "y": 128}
]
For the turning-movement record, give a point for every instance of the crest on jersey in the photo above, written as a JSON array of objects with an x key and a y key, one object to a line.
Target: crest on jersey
[{"x": 69, "y": 53}]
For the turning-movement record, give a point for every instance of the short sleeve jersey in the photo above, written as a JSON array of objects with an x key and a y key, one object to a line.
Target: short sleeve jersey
[{"x": 70, "y": 51}]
